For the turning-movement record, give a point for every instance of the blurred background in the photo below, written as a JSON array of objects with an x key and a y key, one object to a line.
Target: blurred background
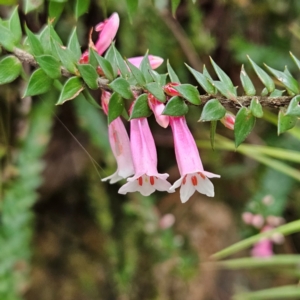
[{"x": 66, "y": 235}]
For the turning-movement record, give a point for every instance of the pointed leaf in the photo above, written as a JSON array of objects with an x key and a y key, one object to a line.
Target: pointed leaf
[
  {"x": 156, "y": 90},
  {"x": 222, "y": 75},
  {"x": 288, "y": 81},
  {"x": 55, "y": 10},
  {"x": 256, "y": 108},
  {"x": 34, "y": 43},
  {"x": 189, "y": 92},
  {"x": 31, "y": 5},
  {"x": 45, "y": 40},
  {"x": 145, "y": 68},
  {"x": 15, "y": 26},
  {"x": 115, "y": 107},
  {"x": 176, "y": 107},
  {"x": 7, "y": 39},
  {"x": 293, "y": 108},
  {"x": 81, "y": 7},
  {"x": 203, "y": 81},
  {"x": 296, "y": 60},
  {"x": 136, "y": 73},
  {"x": 71, "y": 89},
  {"x": 225, "y": 91},
  {"x": 105, "y": 66},
  {"x": 10, "y": 69},
  {"x": 121, "y": 63},
  {"x": 243, "y": 125},
  {"x": 89, "y": 75},
  {"x": 67, "y": 58},
  {"x": 247, "y": 83},
  {"x": 39, "y": 83},
  {"x": 263, "y": 76},
  {"x": 121, "y": 86},
  {"x": 140, "y": 108},
  {"x": 275, "y": 93},
  {"x": 285, "y": 122},
  {"x": 50, "y": 65},
  {"x": 175, "y": 4},
  {"x": 173, "y": 76},
  {"x": 213, "y": 110},
  {"x": 73, "y": 44},
  {"x": 90, "y": 99},
  {"x": 110, "y": 56}
]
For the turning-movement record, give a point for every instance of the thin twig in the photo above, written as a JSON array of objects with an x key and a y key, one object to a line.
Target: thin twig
[{"x": 103, "y": 83}]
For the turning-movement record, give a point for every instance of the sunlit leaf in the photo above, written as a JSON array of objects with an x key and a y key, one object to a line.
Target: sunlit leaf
[
  {"x": 122, "y": 87},
  {"x": 256, "y": 108},
  {"x": 285, "y": 122},
  {"x": 294, "y": 107},
  {"x": 30, "y": 5},
  {"x": 176, "y": 107},
  {"x": 50, "y": 65},
  {"x": 71, "y": 89},
  {"x": 213, "y": 110},
  {"x": 247, "y": 83},
  {"x": 89, "y": 75},
  {"x": 141, "y": 108},
  {"x": 189, "y": 92},
  {"x": 10, "y": 68},
  {"x": 73, "y": 44}
]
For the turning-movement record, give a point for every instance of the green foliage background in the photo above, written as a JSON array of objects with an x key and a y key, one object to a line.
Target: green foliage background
[{"x": 66, "y": 235}]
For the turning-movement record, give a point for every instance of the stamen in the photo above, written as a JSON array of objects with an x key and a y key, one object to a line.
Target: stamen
[
  {"x": 194, "y": 180},
  {"x": 152, "y": 180},
  {"x": 140, "y": 180},
  {"x": 184, "y": 180}
]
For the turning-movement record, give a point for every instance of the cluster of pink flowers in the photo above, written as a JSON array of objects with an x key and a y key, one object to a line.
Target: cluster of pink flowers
[
  {"x": 137, "y": 156},
  {"x": 264, "y": 248}
]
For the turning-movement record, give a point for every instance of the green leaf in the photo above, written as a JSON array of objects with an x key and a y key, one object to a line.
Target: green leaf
[
  {"x": 121, "y": 63},
  {"x": 121, "y": 86},
  {"x": 176, "y": 107},
  {"x": 213, "y": 127},
  {"x": 285, "y": 122},
  {"x": 105, "y": 66},
  {"x": 7, "y": 39},
  {"x": 10, "y": 68},
  {"x": 54, "y": 35},
  {"x": 247, "y": 83},
  {"x": 256, "y": 108},
  {"x": 71, "y": 89},
  {"x": 92, "y": 58},
  {"x": 132, "y": 6},
  {"x": 189, "y": 92},
  {"x": 275, "y": 93},
  {"x": 8, "y": 2},
  {"x": 263, "y": 76},
  {"x": 89, "y": 75},
  {"x": 223, "y": 76},
  {"x": 296, "y": 60},
  {"x": 15, "y": 26},
  {"x": 136, "y": 73},
  {"x": 175, "y": 4},
  {"x": 288, "y": 81},
  {"x": 110, "y": 56},
  {"x": 156, "y": 90},
  {"x": 202, "y": 80},
  {"x": 293, "y": 108},
  {"x": 39, "y": 83},
  {"x": 81, "y": 7},
  {"x": 243, "y": 125},
  {"x": 140, "y": 108},
  {"x": 173, "y": 76},
  {"x": 44, "y": 38},
  {"x": 115, "y": 107},
  {"x": 55, "y": 10},
  {"x": 66, "y": 56},
  {"x": 73, "y": 44},
  {"x": 146, "y": 68},
  {"x": 213, "y": 110},
  {"x": 50, "y": 65},
  {"x": 224, "y": 90},
  {"x": 34, "y": 43},
  {"x": 31, "y": 5},
  {"x": 89, "y": 98}
]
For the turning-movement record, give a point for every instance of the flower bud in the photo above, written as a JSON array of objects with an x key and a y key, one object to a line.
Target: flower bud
[
  {"x": 169, "y": 89},
  {"x": 228, "y": 120}
]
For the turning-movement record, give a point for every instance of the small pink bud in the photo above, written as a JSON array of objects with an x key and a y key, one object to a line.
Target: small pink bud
[
  {"x": 84, "y": 59},
  {"x": 258, "y": 221},
  {"x": 228, "y": 120},
  {"x": 247, "y": 218},
  {"x": 277, "y": 238},
  {"x": 275, "y": 221},
  {"x": 268, "y": 200},
  {"x": 169, "y": 89}
]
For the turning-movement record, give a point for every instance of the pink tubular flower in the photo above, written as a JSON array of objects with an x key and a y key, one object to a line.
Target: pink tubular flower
[
  {"x": 263, "y": 248},
  {"x": 108, "y": 30},
  {"x": 119, "y": 143},
  {"x": 155, "y": 61},
  {"x": 193, "y": 177},
  {"x": 157, "y": 107},
  {"x": 146, "y": 179}
]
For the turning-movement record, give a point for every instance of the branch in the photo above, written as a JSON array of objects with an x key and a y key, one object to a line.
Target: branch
[{"x": 274, "y": 102}]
